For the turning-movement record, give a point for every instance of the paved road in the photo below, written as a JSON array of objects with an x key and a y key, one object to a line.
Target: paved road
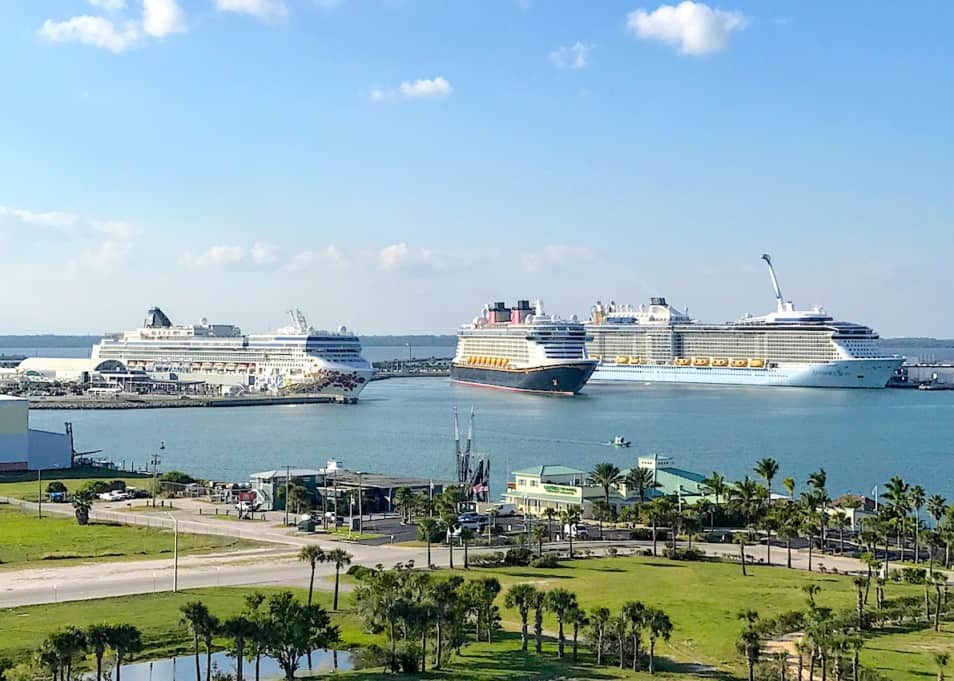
[{"x": 276, "y": 564}]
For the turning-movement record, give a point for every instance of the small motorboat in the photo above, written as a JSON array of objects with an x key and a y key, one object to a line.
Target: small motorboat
[{"x": 620, "y": 441}]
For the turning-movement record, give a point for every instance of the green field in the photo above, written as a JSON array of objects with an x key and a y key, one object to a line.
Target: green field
[
  {"x": 909, "y": 655},
  {"x": 28, "y": 489},
  {"x": 30, "y": 540}
]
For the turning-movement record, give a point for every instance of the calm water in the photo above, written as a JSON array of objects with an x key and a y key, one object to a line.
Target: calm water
[{"x": 861, "y": 437}]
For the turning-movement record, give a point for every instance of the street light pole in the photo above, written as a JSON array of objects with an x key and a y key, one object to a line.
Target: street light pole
[
  {"x": 175, "y": 553},
  {"x": 287, "y": 482},
  {"x": 39, "y": 493},
  {"x": 360, "y": 507}
]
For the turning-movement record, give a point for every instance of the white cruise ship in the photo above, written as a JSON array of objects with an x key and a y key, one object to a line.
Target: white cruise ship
[
  {"x": 522, "y": 349},
  {"x": 788, "y": 347},
  {"x": 296, "y": 358}
]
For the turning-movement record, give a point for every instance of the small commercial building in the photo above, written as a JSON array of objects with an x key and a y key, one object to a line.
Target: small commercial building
[
  {"x": 558, "y": 487},
  {"x": 25, "y": 449},
  {"x": 67, "y": 369}
]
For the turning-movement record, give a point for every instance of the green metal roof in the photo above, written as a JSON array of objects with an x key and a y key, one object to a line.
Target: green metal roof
[{"x": 543, "y": 471}]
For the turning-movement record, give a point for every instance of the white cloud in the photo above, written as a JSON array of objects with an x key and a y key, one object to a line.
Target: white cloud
[
  {"x": 262, "y": 255},
  {"x": 693, "y": 27},
  {"x": 435, "y": 88},
  {"x": 56, "y": 219},
  {"x": 96, "y": 31},
  {"x": 262, "y": 9},
  {"x": 575, "y": 56},
  {"x": 305, "y": 260},
  {"x": 400, "y": 256},
  {"x": 162, "y": 17},
  {"x": 109, "y": 5}
]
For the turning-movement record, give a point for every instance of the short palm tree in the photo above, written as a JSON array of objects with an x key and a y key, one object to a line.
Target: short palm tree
[
  {"x": 789, "y": 485},
  {"x": 340, "y": 558},
  {"x": 560, "y": 602},
  {"x": 600, "y": 619},
  {"x": 427, "y": 526},
  {"x": 196, "y": 616},
  {"x": 97, "y": 641},
  {"x": 749, "y": 645},
  {"x": 605, "y": 475},
  {"x": 404, "y": 499},
  {"x": 550, "y": 514},
  {"x": 941, "y": 660},
  {"x": 570, "y": 517},
  {"x": 311, "y": 554},
  {"x": 660, "y": 626},
  {"x": 767, "y": 469},
  {"x": 82, "y": 505},
  {"x": 466, "y": 536},
  {"x": 241, "y": 630},
  {"x": 522, "y": 597},
  {"x": 641, "y": 480},
  {"x": 540, "y": 534},
  {"x": 716, "y": 485},
  {"x": 918, "y": 497},
  {"x": 124, "y": 639},
  {"x": 634, "y": 613}
]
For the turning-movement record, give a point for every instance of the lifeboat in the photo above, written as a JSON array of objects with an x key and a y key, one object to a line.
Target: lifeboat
[
  {"x": 230, "y": 367},
  {"x": 206, "y": 365},
  {"x": 739, "y": 363},
  {"x": 195, "y": 365},
  {"x": 757, "y": 363},
  {"x": 700, "y": 361},
  {"x": 682, "y": 361},
  {"x": 634, "y": 360},
  {"x": 719, "y": 362},
  {"x": 622, "y": 359}
]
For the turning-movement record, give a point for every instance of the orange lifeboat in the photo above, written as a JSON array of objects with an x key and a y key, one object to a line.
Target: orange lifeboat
[
  {"x": 719, "y": 362},
  {"x": 739, "y": 363},
  {"x": 682, "y": 361},
  {"x": 757, "y": 363},
  {"x": 700, "y": 361}
]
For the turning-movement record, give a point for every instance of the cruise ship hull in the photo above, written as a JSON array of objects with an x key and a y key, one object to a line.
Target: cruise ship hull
[
  {"x": 559, "y": 379},
  {"x": 851, "y": 373}
]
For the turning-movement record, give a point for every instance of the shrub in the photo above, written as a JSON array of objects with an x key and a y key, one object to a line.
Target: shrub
[
  {"x": 683, "y": 554},
  {"x": 94, "y": 487},
  {"x": 408, "y": 655},
  {"x": 371, "y": 655},
  {"x": 360, "y": 572},
  {"x": 913, "y": 575},
  {"x": 612, "y": 552},
  {"x": 437, "y": 534},
  {"x": 495, "y": 559},
  {"x": 519, "y": 556},
  {"x": 55, "y": 487},
  {"x": 547, "y": 561},
  {"x": 117, "y": 486}
]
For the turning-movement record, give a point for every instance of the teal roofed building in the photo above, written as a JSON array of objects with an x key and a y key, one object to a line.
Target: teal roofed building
[{"x": 669, "y": 480}]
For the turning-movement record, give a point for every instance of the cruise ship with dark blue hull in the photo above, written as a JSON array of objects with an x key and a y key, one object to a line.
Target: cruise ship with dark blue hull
[
  {"x": 523, "y": 349},
  {"x": 566, "y": 379}
]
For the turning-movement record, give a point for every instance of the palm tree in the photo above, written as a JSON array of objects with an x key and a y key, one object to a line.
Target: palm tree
[
  {"x": 746, "y": 498},
  {"x": 660, "y": 626},
  {"x": 427, "y": 526},
  {"x": 404, "y": 499},
  {"x": 787, "y": 526},
  {"x": 577, "y": 618},
  {"x": 789, "y": 485},
  {"x": 716, "y": 485},
  {"x": 641, "y": 480},
  {"x": 241, "y": 630},
  {"x": 742, "y": 539},
  {"x": 811, "y": 590},
  {"x": 466, "y": 536},
  {"x": 261, "y": 633},
  {"x": 550, "y": 514},
  {"x": 654, "y": 513},
  {"x": 560, "y": 602},
  {"x": 607, "y": 476},
  {"x": 936, "y": 508},
  {"x": 124, "y": 639},
  {"x": 340, "y": 558},
  {"x": 767, "y": 469},
  {"x": 839, "y": 520},
  {"x": 82, "y": 505},
  {"x": 940, "y": 582},
  {"x": 540, "y": 533},
  {"x": 634, "y": 613},
  {"x": 749, "y": 642},
  {"x": 97, "y": 640},
  {"x": 570, "y": 518},
  {"x": 918, "y": 497},
  {"x": 817, "y": 482},
  {"x": 521, "y": 597},
  {"x": 196, "y": 616},
  {"x": 311, "y": 554},
  {"x": 538, "y": 601},
  {"x": 61, "y": 648},
  {"x": 941, "y": 660},
  {"x": 600, "y": 619},
  {"x": 861, "y": 585},
  {"x": 898, "y": 495}
]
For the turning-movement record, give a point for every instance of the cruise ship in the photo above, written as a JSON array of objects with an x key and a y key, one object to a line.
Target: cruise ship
[
  {"x": 522, "y": 349},
  {"x": 788, "y": 347},
  {"x": 295, "y": 358}
]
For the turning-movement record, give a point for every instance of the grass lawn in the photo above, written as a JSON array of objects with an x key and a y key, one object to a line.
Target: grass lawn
[
  {"x": 703, "y": 599},
  {"x": 28, "y": 539},
  {"x": 156, "y": 615},
  {"x": 28, "y": 489},
  {"x": 909, "y": 654}
]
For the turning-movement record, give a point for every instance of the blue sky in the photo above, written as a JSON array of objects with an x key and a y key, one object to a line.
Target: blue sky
[{"x": 394, "y": 164}]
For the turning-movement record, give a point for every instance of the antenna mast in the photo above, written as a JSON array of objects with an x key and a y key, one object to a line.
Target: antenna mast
[{"x": 778, "y": 291}]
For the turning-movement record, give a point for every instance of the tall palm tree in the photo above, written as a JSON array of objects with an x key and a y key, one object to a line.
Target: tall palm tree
[
  {"x": 918, "y": 497},
  {"x": 861, "y": 586},
  {"x": 600, "y": 619},
  {"x": 560, "y": 602},
  {"x": 660, "y": 626},
  {"x": 767, "y": 469},
  {"x": 789, "y": 485},
  {"x": 747, "y": 498},
  {"x": 578, "y": 619},
  {"x": 196, "y": 616},
  {"x": 538, "y": 602},
  {"x": 340, "y": 558},
  {"x": 898, "y": 495},
  {"x": 540, "y": 533},
  {"x": 742, "y": 539},
  {"x": 939, "y": 581},
  {"x": 749, "y": 642},
  {"x": 787, "y": 526},
  {"x": 427, "y": 526},
  {"x": 241, "y": 630},
  {"x": 522, "y": 597},
  {"x": 634, "y": 613},
  {"x": 466, "y": 536},
  {"x": 550, "y": 514},
  {"x": 124, "y": 639},
  {"x": 936, "y": 508},
  {"x": 641, "y": 480},
  {"x": 404, "y": 499},
  {"x": 97, "y": 641},
  {"x": 62, "y": 647},
  {"x": 311, "y": 554},
  {"x": 570, "y": 518},
  {"x": 654, "y": 512},
  {"x": 716, "y": 485},
  {"x": 605, "y": 475}
]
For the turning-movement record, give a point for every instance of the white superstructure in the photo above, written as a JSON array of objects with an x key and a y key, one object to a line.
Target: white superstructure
[
  {"x": 294, "y": 358},
  {"x": 788, "y": 347}
]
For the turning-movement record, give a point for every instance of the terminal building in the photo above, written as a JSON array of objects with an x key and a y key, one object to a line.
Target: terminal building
[
  {"x": 25, "y": 449},
  {"x": 536, "y": 489}
]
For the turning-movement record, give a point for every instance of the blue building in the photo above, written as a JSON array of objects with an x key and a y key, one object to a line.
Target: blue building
[{"x": 25, "y": 449}]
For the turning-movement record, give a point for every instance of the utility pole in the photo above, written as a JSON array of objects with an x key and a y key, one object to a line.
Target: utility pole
[
  {"x": 360, "y": 507},
  {"x": 175, "y": 553},
  {"x": 287, "y": 485},
  {"x": 39, "y": 495},
  {"x": 155, "y": 472}
]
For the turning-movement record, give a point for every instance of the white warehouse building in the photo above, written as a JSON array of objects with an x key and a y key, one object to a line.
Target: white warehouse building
[{"x": 25, "y": 449}]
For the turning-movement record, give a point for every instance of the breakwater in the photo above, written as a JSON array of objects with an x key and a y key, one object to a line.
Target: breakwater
[{"x": 175, "y": 402}]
